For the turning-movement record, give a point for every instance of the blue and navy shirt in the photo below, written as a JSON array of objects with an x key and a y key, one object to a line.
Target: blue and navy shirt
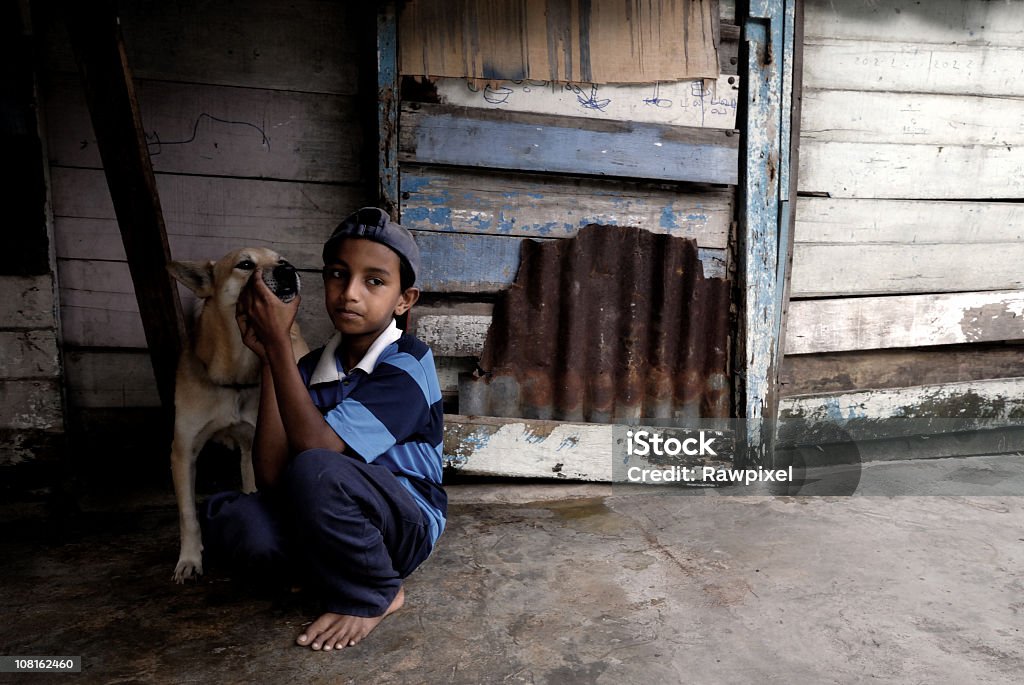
[{"x": 388, "y": 411}]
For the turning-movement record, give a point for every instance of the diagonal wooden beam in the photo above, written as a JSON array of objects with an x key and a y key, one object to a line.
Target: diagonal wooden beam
[{"x": 95, "y": 34}]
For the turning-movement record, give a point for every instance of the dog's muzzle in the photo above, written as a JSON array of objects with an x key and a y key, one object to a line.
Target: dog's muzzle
[{"x": 283, "y": 281}]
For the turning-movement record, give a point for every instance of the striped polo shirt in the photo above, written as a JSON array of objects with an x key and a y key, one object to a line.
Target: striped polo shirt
[{"x": 388, "y": 411}]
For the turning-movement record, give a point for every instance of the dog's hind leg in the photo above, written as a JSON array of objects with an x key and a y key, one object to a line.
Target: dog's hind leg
[{"x": 183, "y": 471}]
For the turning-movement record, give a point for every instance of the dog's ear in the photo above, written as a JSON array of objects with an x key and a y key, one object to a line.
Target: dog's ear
[{"x": 196, "y": 276}]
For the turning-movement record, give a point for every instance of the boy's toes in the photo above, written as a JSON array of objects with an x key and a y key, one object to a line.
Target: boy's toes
[{"x": 315, "y": 634}]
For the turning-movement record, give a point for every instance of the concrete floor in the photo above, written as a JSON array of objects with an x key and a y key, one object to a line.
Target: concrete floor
[{"x": 562, "y": 584}]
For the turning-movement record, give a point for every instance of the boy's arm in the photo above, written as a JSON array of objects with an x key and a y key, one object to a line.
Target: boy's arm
[
  {"x": 303, "y": 425},
  {"x": 288, "y": 422}
]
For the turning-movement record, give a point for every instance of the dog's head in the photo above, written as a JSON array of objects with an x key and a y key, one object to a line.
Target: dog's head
[{"x": 223, "y": 280}]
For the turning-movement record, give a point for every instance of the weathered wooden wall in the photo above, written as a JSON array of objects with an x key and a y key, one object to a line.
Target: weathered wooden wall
[
  {"x": 912, "y": 182},
  {"x": 251, "y": 114},
  {"x": 484, "y": 168},
  {"x": 253, "y": 120},
  {"x": 31, "y": 406}
]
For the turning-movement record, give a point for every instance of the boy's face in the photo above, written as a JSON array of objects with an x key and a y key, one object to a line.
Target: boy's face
[{"x": 362, "y": 288}]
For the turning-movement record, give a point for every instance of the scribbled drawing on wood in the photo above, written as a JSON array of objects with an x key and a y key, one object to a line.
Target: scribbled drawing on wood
[{"x": 710, "y": 104}]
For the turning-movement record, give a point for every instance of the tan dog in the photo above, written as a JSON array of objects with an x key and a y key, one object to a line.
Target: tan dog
[{"x": 216, "y": 392}]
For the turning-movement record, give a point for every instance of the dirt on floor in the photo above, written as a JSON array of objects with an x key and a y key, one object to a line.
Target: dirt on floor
[{"x": 559, "y": 585}]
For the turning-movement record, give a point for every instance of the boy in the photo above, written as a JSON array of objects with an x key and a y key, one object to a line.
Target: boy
[{"x": 347, "y": 451}]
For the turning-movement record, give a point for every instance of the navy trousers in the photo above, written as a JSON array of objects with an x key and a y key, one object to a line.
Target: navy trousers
[{"x": 348, "y": 528}]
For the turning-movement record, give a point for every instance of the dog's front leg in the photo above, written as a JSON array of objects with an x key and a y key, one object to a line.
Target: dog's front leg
[
  {"x": 183, "y": 472},
  {"x": 248, "y": 474}
]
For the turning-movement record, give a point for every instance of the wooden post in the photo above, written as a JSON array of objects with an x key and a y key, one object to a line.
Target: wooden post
[
  {"x": 767, "y": 53},
  {"x": 387, "y": 109},
  {"x": 95, "y": 34}
]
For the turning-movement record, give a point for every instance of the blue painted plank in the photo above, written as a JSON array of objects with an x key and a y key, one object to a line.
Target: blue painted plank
[
  {"x": 464, "y": 136},
  {"x": 466, "y": 263},
  {"x": 531, "y": 205}
]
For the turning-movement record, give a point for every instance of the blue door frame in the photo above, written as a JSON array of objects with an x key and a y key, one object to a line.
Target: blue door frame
[{"x": 766, "y": 194}]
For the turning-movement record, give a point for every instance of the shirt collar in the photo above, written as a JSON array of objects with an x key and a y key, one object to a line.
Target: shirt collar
[{"x": 328, "y": 368}]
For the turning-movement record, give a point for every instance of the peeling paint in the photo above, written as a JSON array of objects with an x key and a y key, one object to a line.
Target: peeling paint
[
  {"x": 981, "y": 323},
  {"x": 871, "y": 414},
  {"x": 439, "y": 217},
  {"x": 485, "y": 446},
  {"x": 569, "y": 442},
  {"x": 668, "y": 218}
]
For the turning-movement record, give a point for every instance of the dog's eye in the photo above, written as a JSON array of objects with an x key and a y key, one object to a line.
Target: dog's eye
[{"x": 246, "y": 265}]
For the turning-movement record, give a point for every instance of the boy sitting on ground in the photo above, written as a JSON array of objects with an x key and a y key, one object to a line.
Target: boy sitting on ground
[{"x": 347, "y": 452}]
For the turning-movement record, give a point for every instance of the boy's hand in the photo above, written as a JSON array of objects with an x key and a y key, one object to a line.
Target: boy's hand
[{"x": 263, "y": 319}]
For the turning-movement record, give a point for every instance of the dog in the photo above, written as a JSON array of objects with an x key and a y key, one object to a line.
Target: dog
[{"x": 216, "y": 391}]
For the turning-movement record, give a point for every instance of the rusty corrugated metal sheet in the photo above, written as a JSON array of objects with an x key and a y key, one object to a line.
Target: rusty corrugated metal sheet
[{"x": 616, "y": 323}]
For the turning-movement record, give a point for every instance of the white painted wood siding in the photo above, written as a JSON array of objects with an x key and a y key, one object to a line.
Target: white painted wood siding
[{"x": 912, "y": 140}]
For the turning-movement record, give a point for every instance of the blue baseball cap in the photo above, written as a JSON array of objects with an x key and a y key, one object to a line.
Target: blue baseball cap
[{"x": 373, "y": 223}]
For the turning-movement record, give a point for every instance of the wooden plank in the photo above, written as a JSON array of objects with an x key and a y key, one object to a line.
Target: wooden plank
[
  {"x": 936, "y": 21},
  {"x": 305, "y": 43},
  {"x": 461, "y": 136},
  {"x": 206, "y": 217},
  {"x": 603, "y": 41},
  {"x": 458, "y": 262},
  {"x": 31, "y": 404},
  {"x": 220, "y": 131},
  {"x": 872, "y": 65},
  {"x": 699, "y": 103},
  {"x": 889, "y": 170},
  {"x": 727, "y": 11},
  {"x": 918, "y": 410},
  {"x": 911, "y": 118},
  {"x": 124, "y": 378},
  {"x": 865, "y": 323},
  {"x": 823, "y": 220},
  {"x": 91, "y": 318},
  {"x": 452, "y": 329},
  {"x": 451, "y": 263},
  {"x": 875, "y": 269},
  {"x": 531, "y": 205},
  {"x": 29, "y": 354},
  {"x": 448, "y": 371},
  {"x": 806, "y": 374},
  {"x": 453, "y": 335},
  {"x": 113, "y": 108},
  {"x": 46, "y": 448},
  {"x": 388, "y": 97},
  {"x": 110, "y": 379},
  {"x": 27, "y": 302},
  {"x": 486, "y": 446},
  {"x": 98, "y": 308}
]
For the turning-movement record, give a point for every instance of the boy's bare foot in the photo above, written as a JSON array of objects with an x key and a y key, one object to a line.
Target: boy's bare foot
[{"x": 335, "y": 631}]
